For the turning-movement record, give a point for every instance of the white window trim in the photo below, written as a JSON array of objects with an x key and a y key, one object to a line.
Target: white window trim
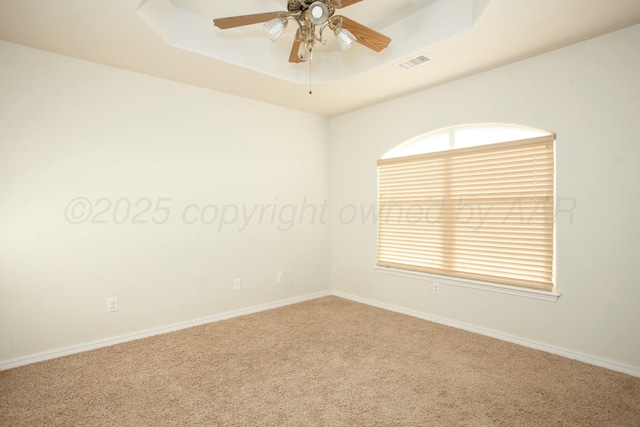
[{"x": 473, "y": 284}]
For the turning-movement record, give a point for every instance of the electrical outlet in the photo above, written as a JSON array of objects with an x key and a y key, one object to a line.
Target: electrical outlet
[
  {"x": 280, "y": 278},
  {"x": 236, "y": 284},
  {"x": 112, "y": 304},
  {"x": 436, "y": 288}
]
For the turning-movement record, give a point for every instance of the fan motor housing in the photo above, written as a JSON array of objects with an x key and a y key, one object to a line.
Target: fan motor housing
[{"x": 296, "y": 6}]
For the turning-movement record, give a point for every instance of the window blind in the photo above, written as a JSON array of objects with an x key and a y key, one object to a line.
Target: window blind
[{"x": 483, "y": 213}]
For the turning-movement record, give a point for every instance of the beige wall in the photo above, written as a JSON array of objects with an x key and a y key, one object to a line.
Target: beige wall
[
  {"x": 589, "y": 94},
  {"x": 71, "y": 129},
  {"x": 74, "y": 129}
]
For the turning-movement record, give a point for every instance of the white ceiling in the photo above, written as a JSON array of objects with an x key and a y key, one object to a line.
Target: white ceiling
[{"x": 175, "y": 39}]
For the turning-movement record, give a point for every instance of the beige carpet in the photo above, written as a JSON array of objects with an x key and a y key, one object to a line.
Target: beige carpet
[{"x": 327, "y": 362}]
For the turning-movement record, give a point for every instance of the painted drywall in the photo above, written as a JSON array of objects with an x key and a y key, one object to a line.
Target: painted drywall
[
  {"x": 116, "y": 184},
  {"x": 73, "y": 133},
  {"x": 589, "y": 95}
]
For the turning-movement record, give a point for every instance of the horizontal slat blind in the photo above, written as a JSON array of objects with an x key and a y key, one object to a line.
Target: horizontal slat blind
[{"x": 483, "y": 213}]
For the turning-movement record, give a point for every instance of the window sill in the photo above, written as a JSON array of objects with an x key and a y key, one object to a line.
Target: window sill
[{"x": 473, "y": 284}]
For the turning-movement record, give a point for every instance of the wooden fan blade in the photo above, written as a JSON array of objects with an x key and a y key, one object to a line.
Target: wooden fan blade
[
  {"x": 239, "y": 21},
  {"x": 365, "y": 35},
  {"x": 346, "y": 3},
  {"x": 294, "y": 49}
]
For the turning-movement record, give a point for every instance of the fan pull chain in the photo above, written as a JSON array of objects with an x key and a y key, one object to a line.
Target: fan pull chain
[{"x": 310, "y": 91}]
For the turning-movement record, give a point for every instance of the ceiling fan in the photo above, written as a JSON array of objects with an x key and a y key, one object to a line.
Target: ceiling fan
[{"x": 312, "y": 18}]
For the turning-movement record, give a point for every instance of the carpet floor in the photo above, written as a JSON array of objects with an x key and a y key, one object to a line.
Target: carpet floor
[{"x": 326, "y": 362}]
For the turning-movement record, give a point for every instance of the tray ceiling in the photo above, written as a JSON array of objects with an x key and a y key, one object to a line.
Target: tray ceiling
[{"x": 176, "y": 40}]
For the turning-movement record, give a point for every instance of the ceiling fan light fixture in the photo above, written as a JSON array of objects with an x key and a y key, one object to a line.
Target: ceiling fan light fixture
[
  {"x": 345, "y": 38},
  {"x": 275, "y": 27},
  {"x": 312, "y": 17},
  {"x": 318, "y": 13}
]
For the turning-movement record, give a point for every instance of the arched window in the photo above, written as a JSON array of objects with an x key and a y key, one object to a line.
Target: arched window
[
  {"x": 473, "y": 202},
  {"x": 464, "y": 136}
]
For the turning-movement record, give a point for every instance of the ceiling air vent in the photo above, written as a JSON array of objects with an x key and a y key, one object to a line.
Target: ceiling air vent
[{"x": 415, "y": 62}]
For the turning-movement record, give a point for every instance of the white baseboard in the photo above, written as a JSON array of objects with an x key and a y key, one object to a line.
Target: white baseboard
[
  {"x": 53, "y": 354},
  {"x": 570, "y": 354}
]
